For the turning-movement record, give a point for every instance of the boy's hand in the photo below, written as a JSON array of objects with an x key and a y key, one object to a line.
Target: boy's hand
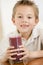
[
  {"x": 10, "y": 52},
  {"x": 25, "y": 53}
]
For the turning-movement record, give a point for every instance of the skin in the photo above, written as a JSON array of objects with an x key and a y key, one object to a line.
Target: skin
[{"x": 25, "y": 21}]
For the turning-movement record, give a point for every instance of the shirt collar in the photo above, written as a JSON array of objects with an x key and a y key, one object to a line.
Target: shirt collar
[{"x": 35, "y": 32}]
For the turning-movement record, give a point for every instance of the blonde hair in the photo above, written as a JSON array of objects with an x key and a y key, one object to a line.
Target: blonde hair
[{"x": 28, "y": 3}]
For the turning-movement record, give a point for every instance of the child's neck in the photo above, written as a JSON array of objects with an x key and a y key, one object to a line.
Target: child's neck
[{"x": 26, "y": 35}]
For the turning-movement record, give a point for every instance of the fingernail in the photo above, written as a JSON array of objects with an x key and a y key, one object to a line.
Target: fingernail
[{"x": 18, "y": 54}]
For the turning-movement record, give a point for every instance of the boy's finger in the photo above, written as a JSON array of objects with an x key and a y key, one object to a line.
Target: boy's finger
[
  {"x": 22, "y": 53},
  {"x": 19, "y": 49},
  {"x": 12, "y": 54},
  {"x": 23, "y": 58},
  {"x": 11, "y": 58},
  {"x": 21, "y": 46},
  {"x": 15, "y": 50},
  {"x": 11, "y": 51},
  {"x": 11, "y": 47}
]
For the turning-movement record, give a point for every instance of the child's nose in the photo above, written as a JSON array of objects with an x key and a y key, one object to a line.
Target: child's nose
[{"x": 25, "y": 20}]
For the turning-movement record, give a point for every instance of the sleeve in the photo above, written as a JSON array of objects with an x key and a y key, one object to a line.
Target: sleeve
[
  {"x": 41, "y": 37},
  {"x": 3, "y": 46}
]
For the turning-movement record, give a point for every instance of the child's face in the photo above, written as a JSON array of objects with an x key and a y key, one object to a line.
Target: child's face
[{"x": 25, "y": 18}]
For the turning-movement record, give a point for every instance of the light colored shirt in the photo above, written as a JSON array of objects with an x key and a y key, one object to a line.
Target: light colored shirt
[{"x": 32, "y": 44}]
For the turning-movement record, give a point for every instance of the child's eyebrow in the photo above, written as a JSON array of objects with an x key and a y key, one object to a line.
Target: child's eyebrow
[
  {"x": 29, "y": 14},
  {"x": 19, "y": 13}
]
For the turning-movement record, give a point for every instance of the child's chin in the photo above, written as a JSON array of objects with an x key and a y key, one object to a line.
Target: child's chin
[{"x": 24, "y": 31}]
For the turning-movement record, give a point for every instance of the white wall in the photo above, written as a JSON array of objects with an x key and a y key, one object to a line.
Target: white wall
[
  {"x": 6, "y": 12},
  {"x": 0, "y": 24},
  {"x": 40, "y": 5}
]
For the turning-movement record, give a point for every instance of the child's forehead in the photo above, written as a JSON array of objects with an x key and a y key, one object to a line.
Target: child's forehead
[
  {"x": 23, "y": 6},
  {"x": 24, "y": 9}
]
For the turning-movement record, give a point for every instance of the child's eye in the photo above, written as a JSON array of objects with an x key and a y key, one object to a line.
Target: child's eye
[
  {"x": 19, "y": 16},
  {"x": 29, "y": 17}
]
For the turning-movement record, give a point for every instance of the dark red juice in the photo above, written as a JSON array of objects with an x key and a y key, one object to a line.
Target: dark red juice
[{"x": 16, "y": 42}]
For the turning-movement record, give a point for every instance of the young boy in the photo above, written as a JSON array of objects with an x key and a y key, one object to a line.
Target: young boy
[{"x": 26, "y": 17}]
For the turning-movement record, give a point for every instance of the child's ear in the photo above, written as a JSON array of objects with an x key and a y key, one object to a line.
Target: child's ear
[
  {"x": 13, "y": 20},
  {"x": 37, "y": 20}
]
